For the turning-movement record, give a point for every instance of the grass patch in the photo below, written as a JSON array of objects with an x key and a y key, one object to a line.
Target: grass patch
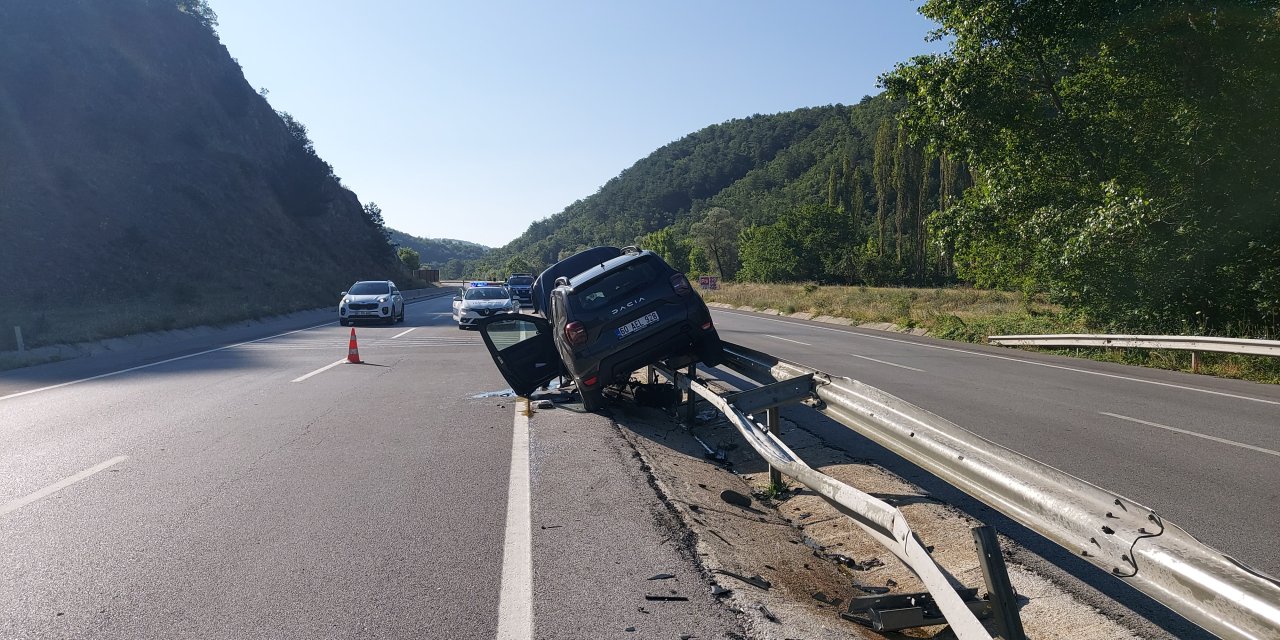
[{"x": 970, "y": 315}]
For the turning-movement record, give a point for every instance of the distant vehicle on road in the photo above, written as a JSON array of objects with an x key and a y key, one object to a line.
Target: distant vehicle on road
[
  {"x": 521, "y": 286},
  {"x": 482, "y": 301},
  {"x": 371, "y": 300},
  {"x": 602, "y": 323}
]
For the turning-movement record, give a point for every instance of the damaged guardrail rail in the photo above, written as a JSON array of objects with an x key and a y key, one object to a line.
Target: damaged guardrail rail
[
  {"x": 1118, "y": 535},
  {"x": 882, "y": 521}
]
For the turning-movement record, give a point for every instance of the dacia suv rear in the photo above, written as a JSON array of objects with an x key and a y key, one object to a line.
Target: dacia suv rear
[{"x": 628, "y": 310}]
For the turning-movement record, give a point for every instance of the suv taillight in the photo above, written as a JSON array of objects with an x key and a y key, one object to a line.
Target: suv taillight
[
  {"x": 681, "y": 284},
  {"x": 575, "y": 334}
]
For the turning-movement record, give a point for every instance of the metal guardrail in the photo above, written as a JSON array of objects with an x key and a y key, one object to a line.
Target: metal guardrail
[
  {"x": 1194, "y": 344},
  {"x": 882, "y": 521},
  {"x": 1116, "y": 534}
]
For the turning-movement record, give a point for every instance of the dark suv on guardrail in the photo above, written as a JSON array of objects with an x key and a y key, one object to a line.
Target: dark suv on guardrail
[{"x": 603, "y": 323}]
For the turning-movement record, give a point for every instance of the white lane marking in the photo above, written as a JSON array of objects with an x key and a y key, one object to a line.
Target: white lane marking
[
  {"x": 892, "y": 364},
  {"x": 1192, "y": 433},
  {"x": 1031, "y": 362},
  {"x": 515, "y": 600},
  {"x": 156, "y": 364},
  {"x": 788, "y": 340},
  {"x": 60, "y": 485},
  {"x": 402, "y": 333},
  {"x": 320, "y": 370}
]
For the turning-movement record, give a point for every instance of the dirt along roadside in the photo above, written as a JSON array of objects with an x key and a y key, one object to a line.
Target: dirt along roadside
[{"x": 789, "y": 564}]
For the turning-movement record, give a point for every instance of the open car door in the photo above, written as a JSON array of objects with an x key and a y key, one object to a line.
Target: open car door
[{"x": 523, "y": 349}]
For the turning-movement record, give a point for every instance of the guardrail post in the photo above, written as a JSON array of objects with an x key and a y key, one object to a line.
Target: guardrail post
[
  {"x": 17, "y": 336},
  {"x": 1004, "y": 605},
  {"x": 690, "y": 409},
  {"x": 1195, "y": 362},
  {"x": 772, "y": 421},
  {"x": 650, "y": 375}
]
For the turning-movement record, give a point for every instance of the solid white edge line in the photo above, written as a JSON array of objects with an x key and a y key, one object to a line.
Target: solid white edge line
[
  {"x": 788, "y": 340},
  {"x": 156, "y": 364},
  {"x": 402, "y": 333},
  {"x": 1192, "y": 433},
  {"x": 515, "y": 600},
  {"x": 59, "y": 485},
  {"x": 320, "y": 370},
  {"x": 992, "y": 355},
  {"x": 892, "y": 364}
]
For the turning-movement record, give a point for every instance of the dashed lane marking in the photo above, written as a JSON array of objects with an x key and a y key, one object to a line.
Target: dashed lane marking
[
  {"x": 892, "y": 364},
  {"x": 320, "y": 370},
  {"x": 59, "y": 485},
  {"x": 1192, "y": 433},
  {"x": 788, "y": 340}
]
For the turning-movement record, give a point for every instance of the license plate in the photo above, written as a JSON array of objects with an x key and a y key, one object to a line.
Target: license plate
[{"x": 637, "y": 324}]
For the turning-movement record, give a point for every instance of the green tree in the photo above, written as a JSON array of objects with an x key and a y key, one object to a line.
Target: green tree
[
  {"x": 409, "y": 257},
  {"x": 519, "y": 264},
  {"x": 1123, "y": 153},
  {"x": 200, "y": 10},
  {"x": 717, "y": 234}
]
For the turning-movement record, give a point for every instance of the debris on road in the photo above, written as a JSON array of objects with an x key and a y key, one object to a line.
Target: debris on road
[
  {"x": 663, "y": 598},
  {"x": 663, "y": 576},
  {"x": 755, "y": 581},
  {"x": 767, "y": 613}
]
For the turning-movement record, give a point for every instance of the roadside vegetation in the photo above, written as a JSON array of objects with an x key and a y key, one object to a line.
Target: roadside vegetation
[{"x": 971, "y": 315}]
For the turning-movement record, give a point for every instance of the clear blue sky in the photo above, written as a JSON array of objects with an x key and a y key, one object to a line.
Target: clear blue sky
[{"x": 471, "y": 120}]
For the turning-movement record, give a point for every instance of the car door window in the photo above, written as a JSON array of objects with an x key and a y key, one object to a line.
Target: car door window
[{"x": 522, "y": 348}]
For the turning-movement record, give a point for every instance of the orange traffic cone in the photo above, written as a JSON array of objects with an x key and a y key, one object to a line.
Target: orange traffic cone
[{"x": 353, "y": 352}]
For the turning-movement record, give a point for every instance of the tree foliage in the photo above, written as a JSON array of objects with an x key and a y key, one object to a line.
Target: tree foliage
[
  {"x": 409, "y": 257},
  {"x": 1124, "y": 153}
]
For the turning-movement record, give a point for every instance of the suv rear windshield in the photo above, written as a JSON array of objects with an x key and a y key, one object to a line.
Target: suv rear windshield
[
  {"x": 369, "y": 288},
  {"x": 520, "y": 281},
  {"x": 615, "y": 285}
]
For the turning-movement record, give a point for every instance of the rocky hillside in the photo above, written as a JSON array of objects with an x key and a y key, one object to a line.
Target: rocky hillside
[{"x": 138, "y": 165}]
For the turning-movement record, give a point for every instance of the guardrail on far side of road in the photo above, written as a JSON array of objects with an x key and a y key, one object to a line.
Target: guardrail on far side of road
[{"x": 1194, "y": 344}]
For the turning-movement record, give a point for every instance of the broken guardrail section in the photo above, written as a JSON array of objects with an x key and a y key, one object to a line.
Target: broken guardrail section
[
  {"x": 883, "y": 522},
  {"x": 1114, "y": 533}
]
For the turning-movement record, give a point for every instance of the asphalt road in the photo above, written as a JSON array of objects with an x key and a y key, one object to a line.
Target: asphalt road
[
  {"x": 261, "y": 489},
  {"x": 1203, "y": 452}
]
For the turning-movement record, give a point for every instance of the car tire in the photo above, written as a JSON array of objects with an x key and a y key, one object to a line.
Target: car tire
[
  {"x": 391, "y": 319},
  {"x": 592, "y": 399},
  {"x": 401, "y": 318},
  {"x": 343, "y": 322}
]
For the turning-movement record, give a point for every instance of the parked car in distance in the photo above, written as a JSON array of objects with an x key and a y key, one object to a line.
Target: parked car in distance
[
  {"x": 521, "y": 286},
  {"x": 371, "y": 300},
  {"x": 604, "y": 322},
  {"x": 477, "y": 302}
]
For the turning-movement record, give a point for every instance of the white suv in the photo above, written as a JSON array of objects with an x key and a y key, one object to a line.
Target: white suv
[{"x": 371, "y": 300}]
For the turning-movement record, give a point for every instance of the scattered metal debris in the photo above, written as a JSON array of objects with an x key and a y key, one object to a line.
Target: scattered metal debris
[
  {"x": 663, "y": 576},
  {"x": 767, "y": 613},
  {"x": 543, "y": 404},
  {"x": 755, "y": 581},
  {"x": 664, "y": 598},
  {"x": 825, "y": 599},
  {"x": 552, "y": 526},
  {"x": 717, "y": 591}
]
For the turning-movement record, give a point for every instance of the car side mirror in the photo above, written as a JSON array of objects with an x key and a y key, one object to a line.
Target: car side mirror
[
  {"x": 457, "y": 298},
  {"x": 344, "y": 293}
]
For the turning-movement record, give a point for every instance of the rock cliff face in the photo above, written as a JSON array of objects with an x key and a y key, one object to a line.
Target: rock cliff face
[{"x": 136, "y": 161}]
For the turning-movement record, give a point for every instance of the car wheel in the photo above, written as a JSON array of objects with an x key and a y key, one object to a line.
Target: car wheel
[
  {"x": 400, "y": 318},
  {"x": 343, "y": 322},
  {"x": 391, "y": 319},
  {"x": 592, "y": 399}
]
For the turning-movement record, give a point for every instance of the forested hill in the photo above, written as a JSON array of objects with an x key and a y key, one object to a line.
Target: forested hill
[
  {"x": 670, "y": 185},
  {"x": 833, "y": 193},
  {"x": 440, "y": 253},
  {"x": 136, "y": 163}
]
